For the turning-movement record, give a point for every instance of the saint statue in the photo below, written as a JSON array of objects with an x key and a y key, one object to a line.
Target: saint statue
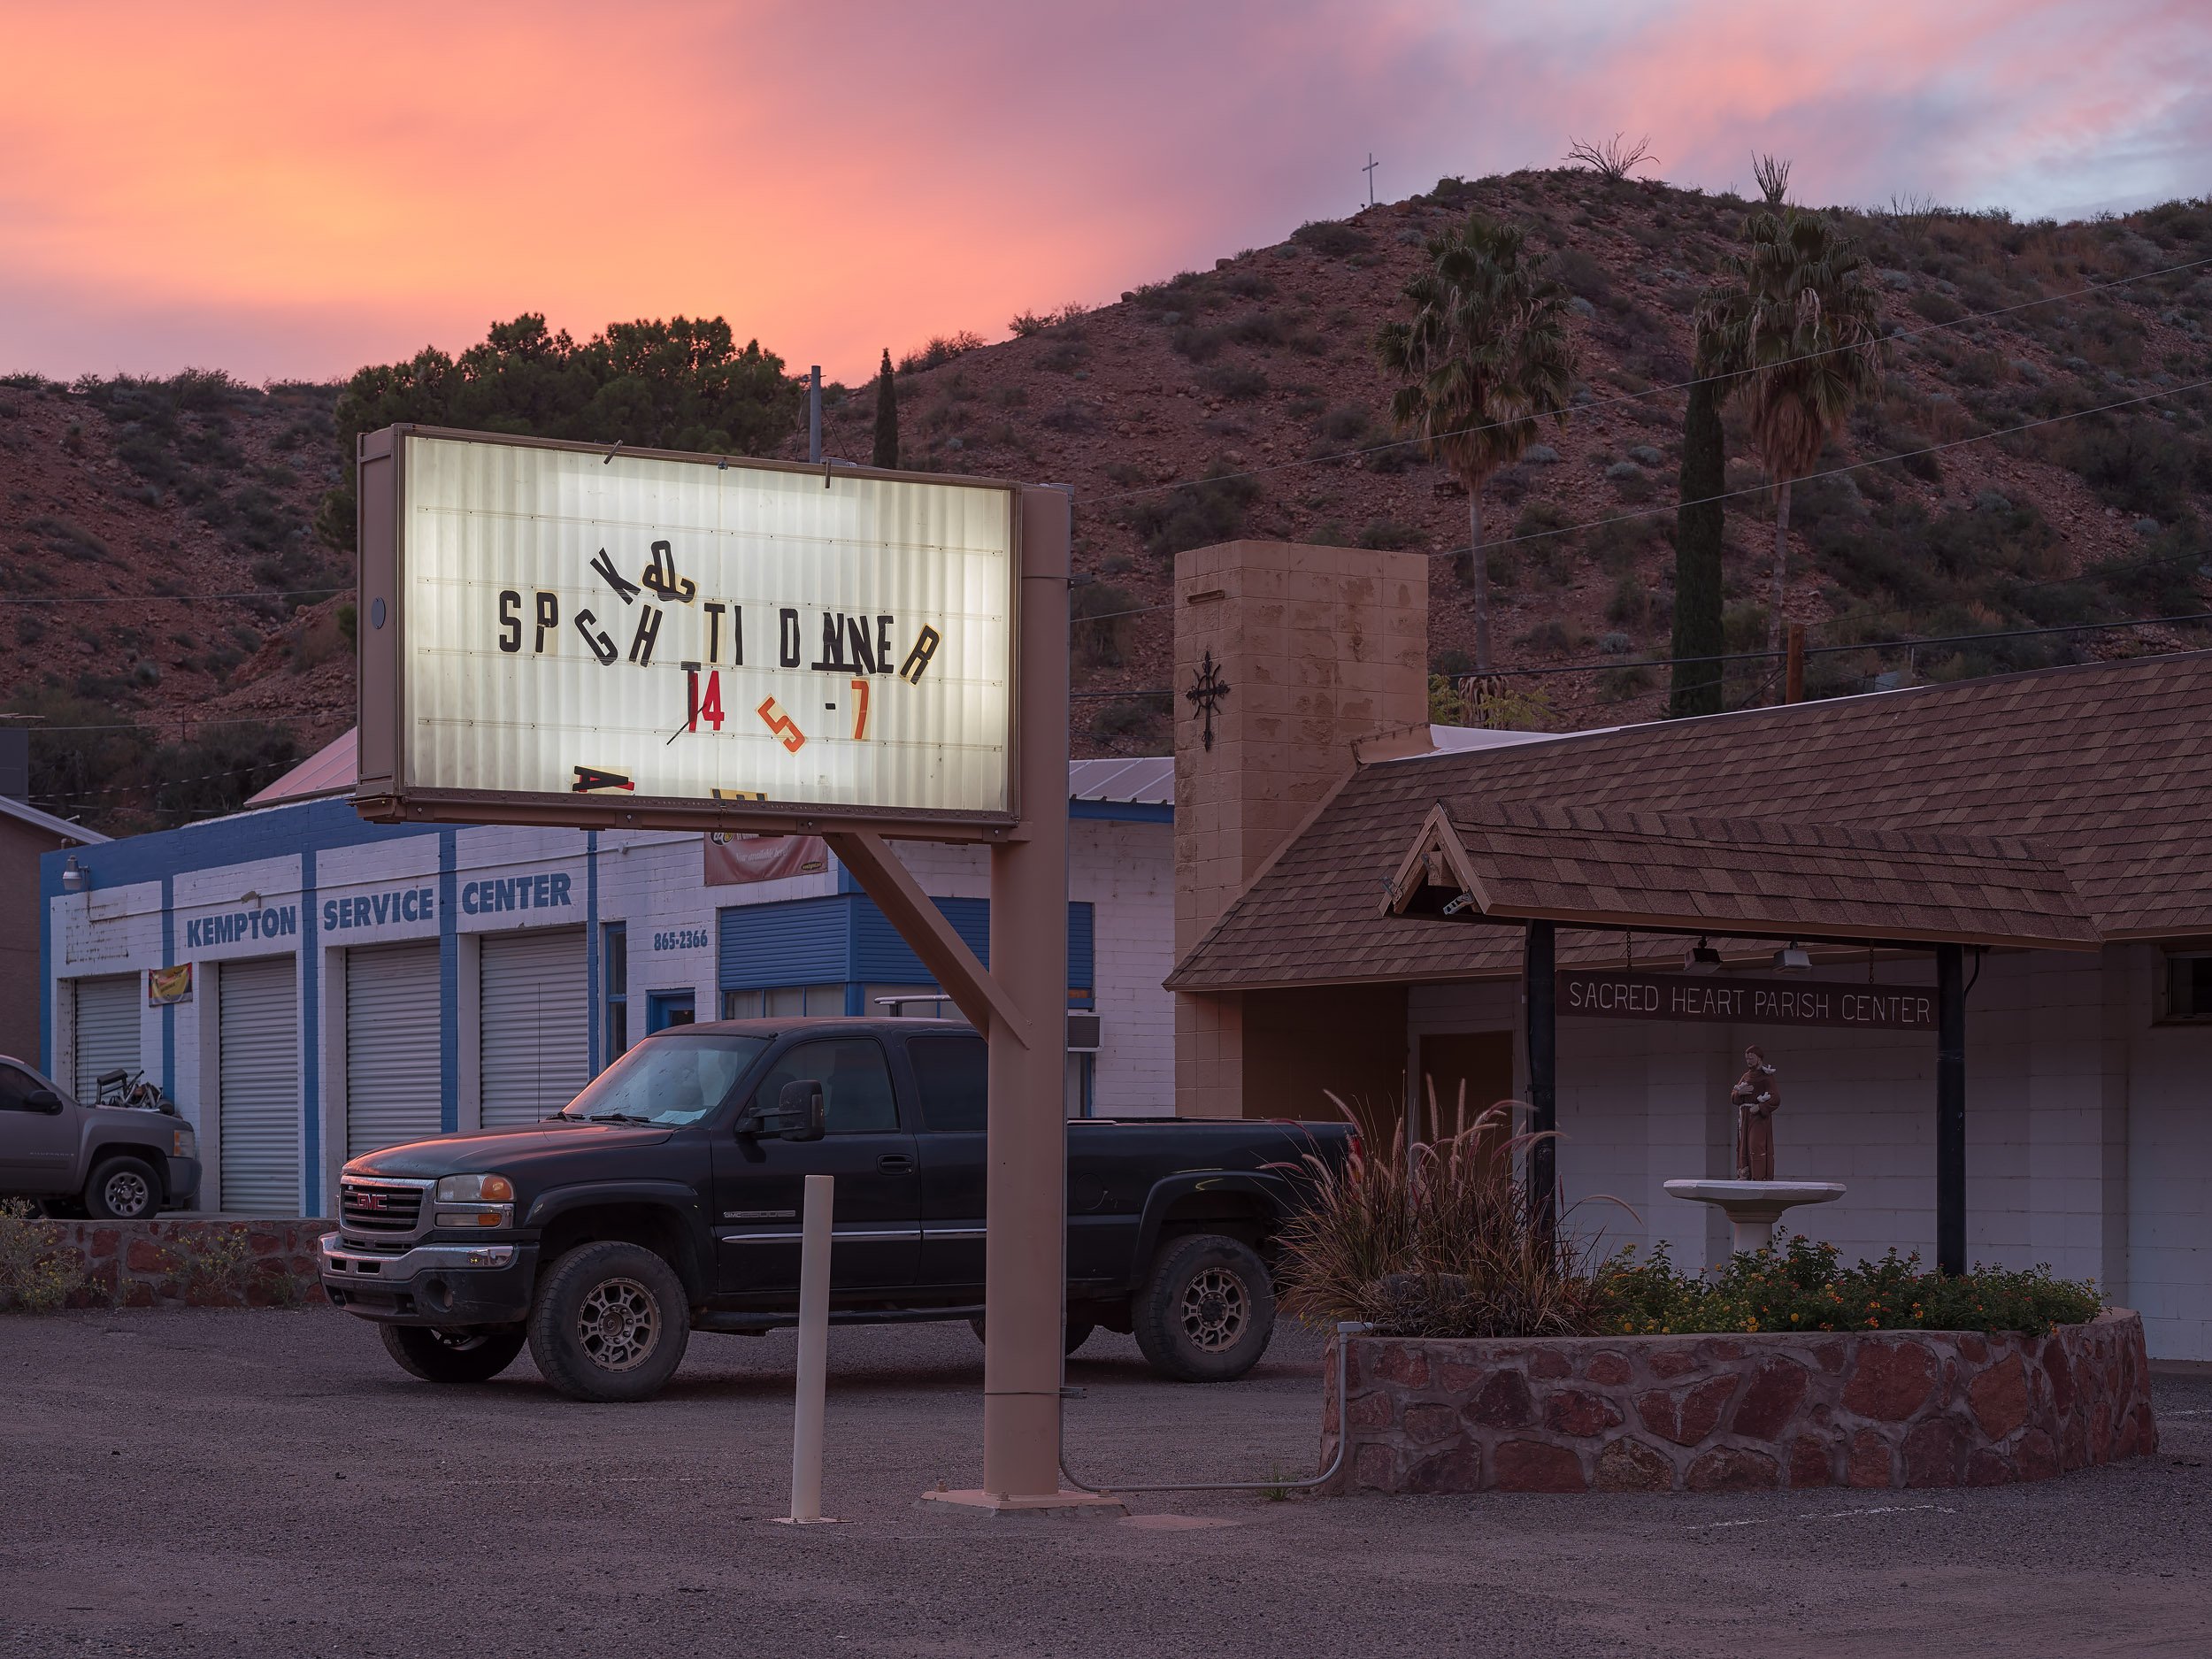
[{"x": 1756, "y": 1097}]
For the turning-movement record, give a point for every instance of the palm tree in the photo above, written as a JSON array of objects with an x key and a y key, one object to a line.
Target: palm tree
[
  {"x": 1484, "y": 356},
  {"x": 1797, "y": 321}
]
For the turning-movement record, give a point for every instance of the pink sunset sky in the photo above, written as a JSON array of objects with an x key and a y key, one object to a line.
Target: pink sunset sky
[{"x": 290, "y": 191}]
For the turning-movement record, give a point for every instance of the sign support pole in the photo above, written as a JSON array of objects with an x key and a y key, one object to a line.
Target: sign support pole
[{"x": 1020, "y": 1002}]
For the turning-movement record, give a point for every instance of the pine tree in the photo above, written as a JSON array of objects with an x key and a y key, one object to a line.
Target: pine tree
[
  {"x": 1696, "y": 687},
  {"x": 887, "y": 415}
]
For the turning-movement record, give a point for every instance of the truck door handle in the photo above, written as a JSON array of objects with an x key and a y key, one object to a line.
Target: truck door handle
[{"x": 895, "y": 1164}]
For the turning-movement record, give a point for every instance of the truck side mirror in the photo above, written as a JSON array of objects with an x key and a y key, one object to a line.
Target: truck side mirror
[
  {"x": 801, "y": 1102},
  {"x": 43, "y": 1099},
  {"x": 797, "y": 1115}
]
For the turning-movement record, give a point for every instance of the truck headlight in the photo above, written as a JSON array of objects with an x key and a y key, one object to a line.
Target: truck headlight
[
  {"x": 473, "y": 1189},
  {"x": 182, "y": 1144}
]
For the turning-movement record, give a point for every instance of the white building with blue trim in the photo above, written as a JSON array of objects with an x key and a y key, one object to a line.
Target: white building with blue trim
[{"x": 353, "y": 985}]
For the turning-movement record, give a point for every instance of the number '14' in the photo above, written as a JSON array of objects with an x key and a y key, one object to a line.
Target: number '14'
[{"x": 708, "y": 708}]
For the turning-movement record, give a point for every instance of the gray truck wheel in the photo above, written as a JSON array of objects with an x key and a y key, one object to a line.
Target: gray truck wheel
[
  {"x": 1207, "y": 1312},
  {"x": 124, "y": 1189},
  {"x": 451, "y": 1356},
  {"x": 610, "y": 1322}
]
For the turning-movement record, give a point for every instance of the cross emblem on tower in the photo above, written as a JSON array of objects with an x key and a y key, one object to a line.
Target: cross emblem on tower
[{"x": 1207, "y": 689}]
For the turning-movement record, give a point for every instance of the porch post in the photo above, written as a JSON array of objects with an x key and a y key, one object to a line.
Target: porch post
[
  {"x": 1538, "y": 987},
  {"x": 1950, "y": 1109}
]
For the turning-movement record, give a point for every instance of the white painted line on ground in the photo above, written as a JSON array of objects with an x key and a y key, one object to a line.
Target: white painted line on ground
[{"x": 1840, "y": 1515}]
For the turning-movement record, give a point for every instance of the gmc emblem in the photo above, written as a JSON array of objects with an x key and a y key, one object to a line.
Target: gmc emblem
[{"x": 370, "y": 1200}]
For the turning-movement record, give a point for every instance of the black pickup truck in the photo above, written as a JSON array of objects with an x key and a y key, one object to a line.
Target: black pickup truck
[{"x": 664, "y": 1199}]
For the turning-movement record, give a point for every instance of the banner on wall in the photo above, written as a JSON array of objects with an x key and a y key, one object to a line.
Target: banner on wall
[
  {"x": 736, "y": 860},
  {"x": 167, "y": 986}
]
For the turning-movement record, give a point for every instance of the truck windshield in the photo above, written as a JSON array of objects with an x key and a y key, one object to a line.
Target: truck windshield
[{"x": 671, "y": 1080}]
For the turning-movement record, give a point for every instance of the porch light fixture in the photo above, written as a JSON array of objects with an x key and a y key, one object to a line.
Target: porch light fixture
[
  {"x": 1701, "y": 958},
  {"x": 74, "y": 876},
  {"x": 1792, "y": 959}
]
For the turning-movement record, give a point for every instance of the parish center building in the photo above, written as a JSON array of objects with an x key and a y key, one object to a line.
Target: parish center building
[{"x": 2053, "y": 828}]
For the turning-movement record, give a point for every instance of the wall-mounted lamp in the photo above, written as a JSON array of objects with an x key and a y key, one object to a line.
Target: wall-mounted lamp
[
  {"x": 1792, "y": 959},
  {"x": 1701, "y": 958},
  {"x": 249, "y": 899},
  {"x": 74, "y": 876}
]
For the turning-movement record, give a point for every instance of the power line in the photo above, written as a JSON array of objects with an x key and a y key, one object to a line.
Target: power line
[
  {"x": 133, "y": 599},
  {"x": 1830, "y": 650}
]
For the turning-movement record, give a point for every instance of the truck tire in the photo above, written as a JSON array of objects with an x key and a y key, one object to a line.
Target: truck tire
[
  {"x": 124, "y": 1189},
  {"x": 610, "y": 1321},
  {"x": 1206, "y": 1311},
  {"x": 451, "y": 1356},
  {"x": 1077, "y": 1332}
]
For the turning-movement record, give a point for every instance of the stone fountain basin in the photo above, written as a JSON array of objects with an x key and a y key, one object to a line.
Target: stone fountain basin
[{"x": 1754, "y": 1207}]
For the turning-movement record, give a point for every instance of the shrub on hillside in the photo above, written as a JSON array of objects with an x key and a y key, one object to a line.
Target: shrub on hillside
[
  {"x": 1192, "y": 515},
  {"x": 1332, "y": 238},
  {"x": 1102, "y": 618},
  {"x": 1234, "y": 382}
]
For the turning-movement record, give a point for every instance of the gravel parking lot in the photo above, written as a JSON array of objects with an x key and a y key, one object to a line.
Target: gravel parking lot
[{"x": 251, "y": 1483}]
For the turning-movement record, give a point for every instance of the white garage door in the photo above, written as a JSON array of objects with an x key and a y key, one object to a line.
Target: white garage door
[
  {"x": 258, "y": 1103},
  {"x": 392, "y": 1083},
  {"x": 535, "y": 1020},
  {"x": 106, "y": 1019}
]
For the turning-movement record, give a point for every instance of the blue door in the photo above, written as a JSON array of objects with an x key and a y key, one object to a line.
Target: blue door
[{"x": 663, "y": 1009}]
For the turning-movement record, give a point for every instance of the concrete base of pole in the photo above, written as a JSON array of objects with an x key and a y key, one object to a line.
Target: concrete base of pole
[{"x": 1063, "y": 1504}]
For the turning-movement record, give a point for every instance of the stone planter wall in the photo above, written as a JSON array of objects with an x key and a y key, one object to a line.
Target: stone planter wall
[
  {"x": 1730, "y": 1413},
  {"x": 189, "y": 1264}
]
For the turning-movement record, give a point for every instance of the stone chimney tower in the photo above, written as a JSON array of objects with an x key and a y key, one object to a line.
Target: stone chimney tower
[{"x": 1286, "y": 655}]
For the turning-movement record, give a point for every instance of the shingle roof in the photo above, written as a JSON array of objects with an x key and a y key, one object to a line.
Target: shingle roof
[
  {"x": 2106, "y": 769},
  {"x": 1746, "y": 877}
]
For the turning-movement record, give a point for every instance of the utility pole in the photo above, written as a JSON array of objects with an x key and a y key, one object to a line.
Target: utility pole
[
  {"x": 1370, "y": 170},
  {"x": 814, "y": 414},
  {"x": 1793, "y": 664}
]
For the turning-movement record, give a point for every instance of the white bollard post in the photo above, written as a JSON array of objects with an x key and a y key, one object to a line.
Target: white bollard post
[{"x": 814, "y": 1285}]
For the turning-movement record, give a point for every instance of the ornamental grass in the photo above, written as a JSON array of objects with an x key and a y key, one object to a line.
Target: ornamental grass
[{"x": 1444, "y": 1242}]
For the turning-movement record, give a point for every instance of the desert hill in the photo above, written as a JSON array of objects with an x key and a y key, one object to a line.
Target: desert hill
[
  {"x": 1246, "y": 400},
  {"x": 1263, "y": 369}
]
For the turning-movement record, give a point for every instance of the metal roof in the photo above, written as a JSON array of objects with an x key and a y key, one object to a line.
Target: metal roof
[
  {"x": 24, "y": 813},
  {"x": 1147, "y": 780}
]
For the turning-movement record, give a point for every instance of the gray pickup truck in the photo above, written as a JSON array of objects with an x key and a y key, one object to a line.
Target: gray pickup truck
[{"x": 120, "y": 1163}]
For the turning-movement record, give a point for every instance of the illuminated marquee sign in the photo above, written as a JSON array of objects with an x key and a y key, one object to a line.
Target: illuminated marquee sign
[{"x": 553, "y": 631}]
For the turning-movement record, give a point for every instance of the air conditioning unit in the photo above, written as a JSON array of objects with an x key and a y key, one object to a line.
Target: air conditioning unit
[{"x": 1082, "y": 1033}]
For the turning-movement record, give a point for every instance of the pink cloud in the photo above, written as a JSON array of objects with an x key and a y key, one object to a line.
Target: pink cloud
[{"x": 294, "y": 191}]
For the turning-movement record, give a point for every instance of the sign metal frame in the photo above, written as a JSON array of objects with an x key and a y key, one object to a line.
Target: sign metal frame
[{"x": 383, "y": 795}]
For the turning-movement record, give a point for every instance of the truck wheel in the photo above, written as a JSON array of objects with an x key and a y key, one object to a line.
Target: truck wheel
[
  {"x": 1077, "y": 1332},
  {"x": 124, "y": 1189},
  {"x": 451, "y": 1356},
  {"x": 610, "y": 1322},
  {"x": 1207, "y": 1312}
]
